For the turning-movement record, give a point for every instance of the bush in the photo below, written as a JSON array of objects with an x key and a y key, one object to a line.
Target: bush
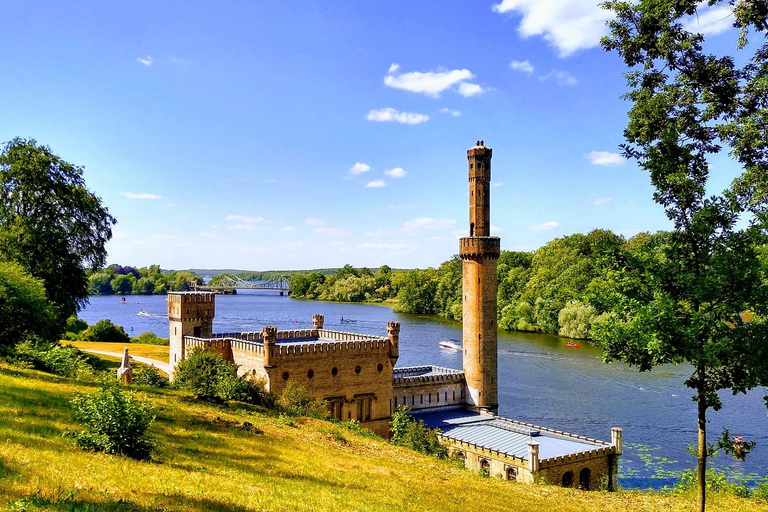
[
  {"x": 115, "y": 421},
  {"x": 150, "y": 338},
  {"x": 51, "y": 357},
  {"x": 408, "y": 433},
  {"x": 576, "y": 320},
  {"x": 105, "y": 330},
  {"x": 24, "y": 309},
  {"x": 149, "y": 376},
  {"x": 210, "y": 377},
  {"x": 296, "y": 400}
]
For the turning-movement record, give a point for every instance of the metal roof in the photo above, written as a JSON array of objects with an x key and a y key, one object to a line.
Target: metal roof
[{"x": 501, "y": 434}]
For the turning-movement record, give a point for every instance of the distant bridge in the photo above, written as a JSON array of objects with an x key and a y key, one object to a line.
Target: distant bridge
[{"x": 230, "y": 284}]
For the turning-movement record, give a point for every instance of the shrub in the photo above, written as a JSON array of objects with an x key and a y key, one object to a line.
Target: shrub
[
  {"x": 576, "y": 320},
  {"x": 408, "y": 433},
  {"x": 210, "y": 377},
  {"x": 150, "y": 338},
  {"x": 296, "y": 400},
  {"x": 115, "y": 421},
  {"x": 105, "y": 330},
  {"x": 51, "y": 357},
  {"x": 149, "y": 376}
]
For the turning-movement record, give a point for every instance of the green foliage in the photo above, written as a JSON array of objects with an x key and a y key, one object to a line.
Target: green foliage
[
  {"x": 211, "y": 378},
  {"x": 679, "y": 294},
  {"x": 54, "y": 358},
  {"x": 418, "y": 292},
  {"x": 297, "y": 401},
  {"x": 106, "y": 331},
  {"x": 415, "y": 435},
  {"x": 150, "y": 338},
  {"x": 146, "y": 375},
  {"x": 24, "y": 310},
  {"x": 576, "y": 319},
  {"x": 50, "y": 223},
  {"x": 115, "y": 422},
  {"x": 347, "y": 284},
  {"x": 139, "y": 281}
]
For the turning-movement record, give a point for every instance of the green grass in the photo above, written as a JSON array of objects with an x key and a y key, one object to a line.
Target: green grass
[{"x": 245, "y": 458}]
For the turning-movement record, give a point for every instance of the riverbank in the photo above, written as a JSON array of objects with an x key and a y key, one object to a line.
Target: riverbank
[{"x": 245, "y": 458}]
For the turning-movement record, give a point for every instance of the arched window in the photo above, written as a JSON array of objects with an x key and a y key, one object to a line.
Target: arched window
[
  {"x": 568, "y": 479},
  {"x": 511, "y": 474},
  {"x": 585, "y": 475},
  {"x": 485, "y": 466}
]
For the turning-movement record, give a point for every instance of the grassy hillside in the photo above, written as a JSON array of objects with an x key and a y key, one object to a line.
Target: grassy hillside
[{"x": 244, "y": 458}]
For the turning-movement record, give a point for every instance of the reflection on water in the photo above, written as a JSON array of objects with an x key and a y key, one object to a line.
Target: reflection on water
[{"x": 541, "y": 381}]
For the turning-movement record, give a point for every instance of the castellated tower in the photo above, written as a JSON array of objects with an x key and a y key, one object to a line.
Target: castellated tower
[
  {"x": 189, "y": 314},
  {"x": 479, "y": 253}
]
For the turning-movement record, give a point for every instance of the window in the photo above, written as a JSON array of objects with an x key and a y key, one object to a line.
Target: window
[
  {"x": 334, "y": 371},
  {"x": 380, "y": 367},
  {"x": 568, "y": 479},
  {"x": 334, "y": 407},
  {"x": 511, "y": 474},
  {"x": 358, "y": 369},
  {"x": 286, "y": 375},
  {"x": 585, "y": 475},
  {"x": 197, "y": 331},
  {"x": 311, "y": 373},
  {"x": 363, "y": 409}
]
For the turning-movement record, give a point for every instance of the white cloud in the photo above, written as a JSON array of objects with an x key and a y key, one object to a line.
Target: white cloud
[
  {"x": 390, "y": 114},
  {"x": 561, "y": 77},
  {"x": 601, "y": 201},
  {"x": 452, "y": 113},
  {"x": 397, "y": 172},
  {"x": 498, "y": 184},
  {"x": 289, "y": 229},
  {"x": 467, "y": 89},
  {"x": 568, "y": 25},
  {"x": 376, "y": 184},
  {"x": 315, "y": 222},
  {"x": 147, "y": 61},
  {"x": 521, "y": 65},
  {"x": 359, "y": 168},
  {"x": 710, "y": 21},
  {"x": 131, "y": 195},
  {"x": 432, "y": 83},
  {"x": 246, "y": 227},
  {"x": 331, "y": 232},
  {"x": 384, "y": 246},
  {"x": 428, "y": 224},
  {"x": 605, "y": 158},
  {"x": 546, "y": 226},
  {"x": 495, "y": 230},
  {"x": 245, "y": 218}
]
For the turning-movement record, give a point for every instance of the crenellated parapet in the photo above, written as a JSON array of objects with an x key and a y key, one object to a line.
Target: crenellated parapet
[
  {"x": 426, "y": 375},
  {"x": 480, "y": 248}
]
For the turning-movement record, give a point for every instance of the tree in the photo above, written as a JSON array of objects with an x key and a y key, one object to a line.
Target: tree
[
  {"x": 106, "y": 331},
  {"x": 50, "y": 223},
  {"x": 679, "y": 295},
  {"x": 24, "y": 309}
]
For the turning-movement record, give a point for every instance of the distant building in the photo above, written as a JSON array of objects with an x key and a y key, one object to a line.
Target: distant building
[{"x": 355, "y": 374}]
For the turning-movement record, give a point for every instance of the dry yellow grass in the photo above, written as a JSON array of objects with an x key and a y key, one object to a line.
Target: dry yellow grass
[
  {"x": 207, "y": 460},
  {"x": 159, "y": 352}
]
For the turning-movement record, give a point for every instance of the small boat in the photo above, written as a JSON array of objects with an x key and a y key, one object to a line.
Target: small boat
[
  {"x": 450, "y": 345},
  {"x": 144, "y": 313},
  {"x": 572, "y": 345}
]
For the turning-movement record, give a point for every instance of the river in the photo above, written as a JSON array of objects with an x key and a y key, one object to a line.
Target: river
[{"x": 541, "y": 381}]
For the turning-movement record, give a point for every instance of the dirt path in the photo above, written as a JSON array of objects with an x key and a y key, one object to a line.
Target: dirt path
[{"x": 146, "y": 360}]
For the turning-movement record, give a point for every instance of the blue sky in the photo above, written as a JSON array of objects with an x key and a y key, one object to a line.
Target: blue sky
[{"x": 287, "y": 135}]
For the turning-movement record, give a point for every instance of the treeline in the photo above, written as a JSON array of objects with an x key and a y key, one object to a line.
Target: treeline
[
  {"x": 561, "y": 288},
  {"x": 117, "y": 279}
]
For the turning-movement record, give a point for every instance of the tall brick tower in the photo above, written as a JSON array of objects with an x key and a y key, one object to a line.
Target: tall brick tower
[{"x": 479, "y": 253}]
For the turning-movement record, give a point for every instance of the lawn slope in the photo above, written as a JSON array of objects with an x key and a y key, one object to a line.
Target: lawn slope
[{"x": 244, "y": 458}]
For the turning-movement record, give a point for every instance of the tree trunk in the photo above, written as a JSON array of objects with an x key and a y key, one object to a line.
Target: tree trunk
[{"x": 702, "y": 459}]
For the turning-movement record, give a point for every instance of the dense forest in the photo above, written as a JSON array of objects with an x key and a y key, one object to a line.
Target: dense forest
[
  {"x": 563, "y": 287},
  {"x": 117, "y": 279}
]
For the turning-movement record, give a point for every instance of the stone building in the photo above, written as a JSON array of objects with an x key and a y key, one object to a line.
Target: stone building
[{"x": 355, "y": 374}]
